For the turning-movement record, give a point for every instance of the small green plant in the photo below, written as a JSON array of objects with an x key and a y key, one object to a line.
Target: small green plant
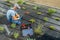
[
  {"x": 32, "y": 20},
  {"x": 51, "y": 11},
  {"x": 41, "y": 7},
  {"x": 25, "y": 2},
  {"x": 38, "y": 30},
  {"x": 58, "y": 19},
  {"x": 35, "y": 8},
  {"x": 45, "y": 19},
  {"x": 8, "y": 1},
  {"x": 23, "y": 8},
  {"x": 9, "y": 5},
  {"x": 20, "y": 2},
  {"x": 13, "y": 25},
  {"x": 1, "y": 28},
  {"x": 39, "y": 13},
  {"x": 16, "y": 35},
  {"x": 52, "y": 27}
]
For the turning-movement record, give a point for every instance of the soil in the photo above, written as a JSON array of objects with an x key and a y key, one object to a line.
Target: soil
[{"x": 49, "y": 34}]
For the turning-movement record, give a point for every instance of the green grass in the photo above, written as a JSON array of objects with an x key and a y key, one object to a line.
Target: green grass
[{"x": 13, "y": 25}]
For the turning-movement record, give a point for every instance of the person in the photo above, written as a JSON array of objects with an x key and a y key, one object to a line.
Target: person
[{"x": 13, "y": 16}]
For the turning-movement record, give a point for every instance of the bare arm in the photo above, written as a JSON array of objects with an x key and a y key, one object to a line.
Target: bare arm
[{"x": 16, "y": 17}]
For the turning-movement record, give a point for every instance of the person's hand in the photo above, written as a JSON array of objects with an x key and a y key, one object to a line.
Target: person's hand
[{"x": 18, "y": 18}]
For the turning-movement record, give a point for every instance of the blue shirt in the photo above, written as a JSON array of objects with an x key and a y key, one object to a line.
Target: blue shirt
[{"x": 10, "y": 13}]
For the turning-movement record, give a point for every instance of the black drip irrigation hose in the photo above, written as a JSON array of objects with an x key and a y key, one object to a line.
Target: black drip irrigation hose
[
  {"x": 52, "y": 15},
  {"x": 42, "y": 15},
  {"x": 4, "y": 7},
  {"x": 4, "y": 4},
  {"x": 2, "y": 11},
  {"x": 44, "y": 26},
  {"x": 41, "y": 19},
  {"x": 45, "y": 16}
]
